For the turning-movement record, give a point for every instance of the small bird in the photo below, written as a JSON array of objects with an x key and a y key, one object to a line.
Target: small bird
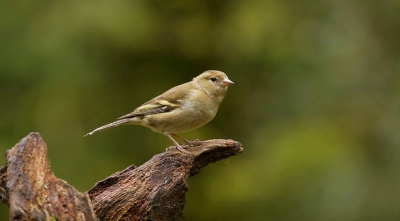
[{"x": 180, "y": 109}]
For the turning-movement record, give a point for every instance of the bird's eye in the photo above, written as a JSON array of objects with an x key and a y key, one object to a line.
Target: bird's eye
[{"x": 213, "y": 78}]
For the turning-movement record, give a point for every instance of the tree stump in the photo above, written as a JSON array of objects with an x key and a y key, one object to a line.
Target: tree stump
[{"x": 154, "y": 191}]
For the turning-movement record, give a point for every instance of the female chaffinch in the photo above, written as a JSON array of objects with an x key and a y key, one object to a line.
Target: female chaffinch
[{"x": 181, "y": 108}]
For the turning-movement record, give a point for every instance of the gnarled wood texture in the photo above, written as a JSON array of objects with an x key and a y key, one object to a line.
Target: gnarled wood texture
[
  {"x": 33, "y": 192},
  {"x": 154, "y": 191}
]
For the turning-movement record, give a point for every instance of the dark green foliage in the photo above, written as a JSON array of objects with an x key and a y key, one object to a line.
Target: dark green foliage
[{"x": 315, "y": 101}]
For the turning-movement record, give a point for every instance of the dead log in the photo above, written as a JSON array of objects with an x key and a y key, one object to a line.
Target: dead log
[
  {"x": 33, "y": 192},
  {"x": 154, "y": 191}
]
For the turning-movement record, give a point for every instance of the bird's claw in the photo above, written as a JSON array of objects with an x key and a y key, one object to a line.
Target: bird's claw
[
  {"x": 195, "y": 142},
  {"x": 179, "y": 148}
]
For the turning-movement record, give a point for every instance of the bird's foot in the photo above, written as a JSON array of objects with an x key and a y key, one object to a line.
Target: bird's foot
[
  {"x": 187, "y": 142},
  {"x": 180, "y": 148},
  {"x": 193, "y": 143}
]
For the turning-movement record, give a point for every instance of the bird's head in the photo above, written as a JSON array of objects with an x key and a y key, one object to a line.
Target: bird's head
[{"x": 213, "y": 82}]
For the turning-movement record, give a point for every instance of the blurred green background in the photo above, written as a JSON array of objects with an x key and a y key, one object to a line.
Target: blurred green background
[{"x": 315, "y": 102}]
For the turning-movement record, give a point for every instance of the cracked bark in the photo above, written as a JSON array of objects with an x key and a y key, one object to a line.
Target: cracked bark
[{"x": 154, "y": 191}]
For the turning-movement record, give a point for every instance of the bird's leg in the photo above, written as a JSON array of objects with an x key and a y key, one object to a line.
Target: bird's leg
[
  {"x": 187, "y": 142},
  {"x": 181, "y": 138},
  {"x": 177, "y": 144}
]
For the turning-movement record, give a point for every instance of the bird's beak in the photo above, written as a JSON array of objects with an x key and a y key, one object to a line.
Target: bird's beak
[{"x": 226, "y": 82}]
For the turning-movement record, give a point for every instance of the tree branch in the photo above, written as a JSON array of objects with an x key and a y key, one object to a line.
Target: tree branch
[
  {"x": 154, "y": 191},
  {"x": 33, "y": 192}
]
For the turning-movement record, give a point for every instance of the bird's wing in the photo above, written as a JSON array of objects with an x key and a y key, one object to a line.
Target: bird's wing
[
  {"x": 155, "y": 107},
  {"x": 166, "y": 102}
]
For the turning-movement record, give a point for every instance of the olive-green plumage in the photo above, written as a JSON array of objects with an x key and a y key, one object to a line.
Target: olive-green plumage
[{"x": 181, "y": 108}]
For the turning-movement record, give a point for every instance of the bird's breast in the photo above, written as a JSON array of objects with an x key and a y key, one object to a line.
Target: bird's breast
[{"x": 189, "y": 116}]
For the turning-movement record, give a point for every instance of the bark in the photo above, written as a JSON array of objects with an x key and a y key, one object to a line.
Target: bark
[
  {"x": 33, "y": 192},
  {"x": 154, "y": 191}
]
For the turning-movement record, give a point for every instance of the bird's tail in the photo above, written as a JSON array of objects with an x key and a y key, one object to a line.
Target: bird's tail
[{"x": 110, "y": 125}]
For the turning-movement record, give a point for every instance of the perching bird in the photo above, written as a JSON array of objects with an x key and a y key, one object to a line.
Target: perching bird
[{"x": 181, "y": 108}]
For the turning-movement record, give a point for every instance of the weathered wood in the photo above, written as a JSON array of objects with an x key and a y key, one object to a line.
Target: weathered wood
[
  {"x": 33, "y": 192},
  {"x": 154, "y": 191}
]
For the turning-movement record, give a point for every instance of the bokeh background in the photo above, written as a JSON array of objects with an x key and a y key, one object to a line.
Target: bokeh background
[{"x": 315, "y": 101}]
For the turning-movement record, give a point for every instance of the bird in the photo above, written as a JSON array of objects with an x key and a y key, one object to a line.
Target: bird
[{"x": 180, "y": 109}]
